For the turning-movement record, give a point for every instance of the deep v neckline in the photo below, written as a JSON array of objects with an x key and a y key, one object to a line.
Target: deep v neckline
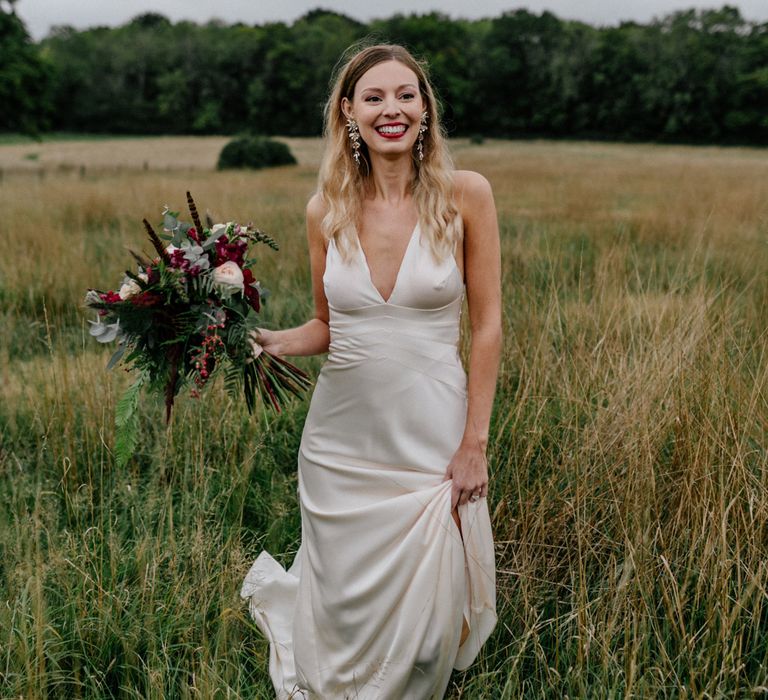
[{"x": 399, "y": 269}]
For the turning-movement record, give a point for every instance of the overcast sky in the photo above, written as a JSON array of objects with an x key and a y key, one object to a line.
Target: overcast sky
[{"x": 39, "y": 15}]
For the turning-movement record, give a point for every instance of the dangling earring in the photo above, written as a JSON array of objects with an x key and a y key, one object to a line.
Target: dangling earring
[
  {"x": 354, "y": 137},
  {"x": 420, "y": 142}
]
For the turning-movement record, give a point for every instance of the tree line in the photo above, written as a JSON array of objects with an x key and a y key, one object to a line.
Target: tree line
[{"x": 690, "y": 76}]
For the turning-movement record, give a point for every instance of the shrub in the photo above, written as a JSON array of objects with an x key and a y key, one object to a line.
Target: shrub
[
  {"x": 254, "y": 152},
  {"x": 476, "y": 139}
]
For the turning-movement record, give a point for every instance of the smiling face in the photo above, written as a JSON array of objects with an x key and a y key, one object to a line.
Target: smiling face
[{"x": 387, "y": 105}]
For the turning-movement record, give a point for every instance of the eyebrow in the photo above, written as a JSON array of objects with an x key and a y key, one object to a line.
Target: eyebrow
[{"x": 399, "y": 87}]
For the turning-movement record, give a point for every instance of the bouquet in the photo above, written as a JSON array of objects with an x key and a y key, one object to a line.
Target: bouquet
[{"x": 188, "y": 314}]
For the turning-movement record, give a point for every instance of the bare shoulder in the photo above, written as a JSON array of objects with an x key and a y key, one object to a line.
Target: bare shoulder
[
  {"x": 474, "y": 199},
  {"x": 316, "y": 210},
  {"x": 481, "y": 246},
  {"x": 471, "y": 187}
]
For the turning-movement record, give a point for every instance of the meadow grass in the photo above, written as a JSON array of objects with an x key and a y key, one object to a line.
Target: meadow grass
[{"x": 627, "y": 454}]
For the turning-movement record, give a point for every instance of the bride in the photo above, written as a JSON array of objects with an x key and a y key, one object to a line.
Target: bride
[{"x": 393, "y": 585}]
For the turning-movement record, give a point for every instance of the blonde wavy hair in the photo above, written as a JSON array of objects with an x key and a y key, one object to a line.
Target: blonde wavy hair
[{"x": 342, "y": 183}]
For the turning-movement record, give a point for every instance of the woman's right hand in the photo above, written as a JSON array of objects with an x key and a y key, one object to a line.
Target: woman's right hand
[
  {"x": 310, "y": 339},
  {"x": 264, "y": 339}
]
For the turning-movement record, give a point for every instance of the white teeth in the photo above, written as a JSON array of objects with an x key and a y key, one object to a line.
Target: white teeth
[{"x": 391, "y": 129}]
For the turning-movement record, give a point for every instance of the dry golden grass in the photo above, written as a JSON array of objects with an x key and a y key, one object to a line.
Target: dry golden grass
[
  {"x": 116, "y": 155},
  {"x": 629, "y": 482}
]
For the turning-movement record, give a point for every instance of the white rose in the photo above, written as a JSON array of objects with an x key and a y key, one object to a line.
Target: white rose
[
  {"x": 129, "y": 289},
  {"x": 229, "y": 273},
  {"x": 132, "y": 288},
  {"x": 217, "y": 227}
]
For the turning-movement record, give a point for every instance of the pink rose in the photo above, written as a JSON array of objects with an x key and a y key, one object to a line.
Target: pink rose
[{"x": 229, "y": 273}]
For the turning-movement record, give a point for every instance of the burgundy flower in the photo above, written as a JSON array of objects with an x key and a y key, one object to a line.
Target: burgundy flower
[
  {"x": 147, "y": 299},
  {"x": 251, "y": 293},
  {"x": 192, "y": 233},
  {"x": 234, "y": 251},
  {"x": 111, "y": 297},
  {"x": 178, "y": 260},
  {"x": 221, "y": 241}
]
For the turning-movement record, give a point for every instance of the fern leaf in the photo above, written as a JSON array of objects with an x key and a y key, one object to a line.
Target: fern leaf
[{"x": 127, "y": 422}]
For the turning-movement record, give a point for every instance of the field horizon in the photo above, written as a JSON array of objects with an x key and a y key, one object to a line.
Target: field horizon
[{"x": 628, "y": 450}]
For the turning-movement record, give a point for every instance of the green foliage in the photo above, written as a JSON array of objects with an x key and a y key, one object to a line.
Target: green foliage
[
  {"x": 25, "y": 79},
  {"x": 254, "y": 152},
  {"x": 127, "y": 422},
  {"x": 694, "y": 75},
  {"x": 287, "y": 90}
]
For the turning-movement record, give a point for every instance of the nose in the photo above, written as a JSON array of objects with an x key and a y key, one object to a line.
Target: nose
[{"x": 391, "y": 107}]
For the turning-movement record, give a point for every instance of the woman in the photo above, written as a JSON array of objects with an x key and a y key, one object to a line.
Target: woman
[{"x": 394, "y": 582}]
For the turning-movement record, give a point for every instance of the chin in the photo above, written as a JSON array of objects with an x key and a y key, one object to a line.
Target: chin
[{"x": 395, "y": 149}]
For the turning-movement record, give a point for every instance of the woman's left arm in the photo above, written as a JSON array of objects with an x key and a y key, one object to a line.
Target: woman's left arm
[{"x": 482, "y": 272}]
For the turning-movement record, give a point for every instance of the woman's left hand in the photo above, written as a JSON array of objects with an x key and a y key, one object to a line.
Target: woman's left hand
[{"x": 469, "y": 470}]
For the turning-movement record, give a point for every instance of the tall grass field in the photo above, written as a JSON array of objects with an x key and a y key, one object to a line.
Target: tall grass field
[{"x": 628, "y": 450}]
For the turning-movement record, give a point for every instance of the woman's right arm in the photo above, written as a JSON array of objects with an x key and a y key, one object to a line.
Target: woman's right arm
[{"x": 313, "y": 337}]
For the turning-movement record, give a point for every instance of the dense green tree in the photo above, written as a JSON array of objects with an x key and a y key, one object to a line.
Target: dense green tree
[
  {"x": 615, "y": 99},
  {"x": 516, "y": 75},
  {"x": 700, "y": 61},
  {"x": 747, "y": 117},
  {"x": 448, "y": 47},
  {"x": 94, "y": 81},
  {"x": 694, "y": 75},
  {"x": 25, "y": 77},
  {"x": 287, "y": 94}
]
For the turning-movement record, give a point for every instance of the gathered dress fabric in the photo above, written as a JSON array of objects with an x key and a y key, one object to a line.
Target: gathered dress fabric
[{"x": 372, "y": 605}]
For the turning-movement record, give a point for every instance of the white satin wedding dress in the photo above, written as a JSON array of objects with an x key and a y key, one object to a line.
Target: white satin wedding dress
[{"x": 372, "y": 605}]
